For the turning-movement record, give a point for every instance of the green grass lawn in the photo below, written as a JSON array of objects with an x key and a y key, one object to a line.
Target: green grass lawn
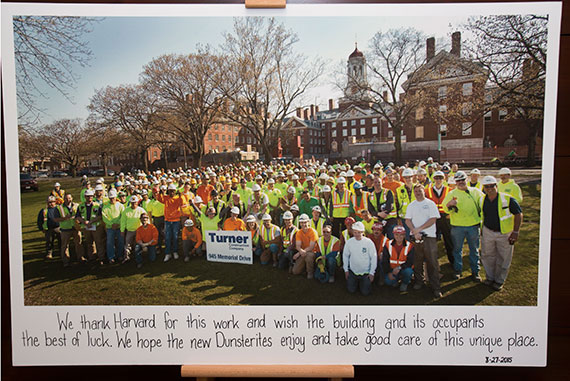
[{"x": 206, "y": 283}]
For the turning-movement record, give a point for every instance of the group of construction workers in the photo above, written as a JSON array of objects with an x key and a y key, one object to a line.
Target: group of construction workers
[{"x": 373, "y": 224}]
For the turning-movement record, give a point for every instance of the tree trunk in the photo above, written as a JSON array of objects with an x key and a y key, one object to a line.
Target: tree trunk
[
  {"x": 398, "y": 146},
  {"x": 197, "y": 159},
  {"x": 532, "y": 135},
  {"x": 267, "y": 154},
  {"x": 145, "y": 156},
  {"x": 104, "y": 162}
]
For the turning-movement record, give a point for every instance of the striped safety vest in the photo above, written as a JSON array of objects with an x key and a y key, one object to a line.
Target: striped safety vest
[
  {"x": 398, "y": 258},
  {"x": 341, "y": 204},
  {"x": 287, "y": 236},
  {"x": 268, "y": 234},
  {"x": 363, "y": 205},
  {"x": 506, "y": 218},
  {"x": 318, "y": 226},
  {"x": 430, "y": 193},
  {"x": 372, "y": 199},
  {"x": 325, "y": 249}
]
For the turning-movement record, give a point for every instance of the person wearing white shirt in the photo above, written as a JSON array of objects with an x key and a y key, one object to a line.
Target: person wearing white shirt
[
  {"x": 359, "y": 261},
  {"x": 421, "y": 215}
]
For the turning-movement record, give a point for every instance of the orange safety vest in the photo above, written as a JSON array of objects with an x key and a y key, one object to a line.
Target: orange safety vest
[
  {"x": 430, "y": 193},
  {"x": 398, "y": 258},
  {"x": 363, "y": 202}
]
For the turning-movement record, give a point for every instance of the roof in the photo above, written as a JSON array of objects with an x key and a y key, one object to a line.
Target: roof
[{"x": 356, "y": 53}]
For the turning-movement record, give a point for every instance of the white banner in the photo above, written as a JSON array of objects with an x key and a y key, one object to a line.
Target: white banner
[{"x": 229, "y": 247}]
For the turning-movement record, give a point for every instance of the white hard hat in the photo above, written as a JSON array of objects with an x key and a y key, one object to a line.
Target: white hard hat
[
  {"x": 310, "y": 178},
  {"x": 422, "y": 172},
  {"x": 317, "y": 208},
  {"x": 99, "y": 187},
  {"x": 291, "y": 190},
  {"x": 163, "y": 187},
  {"x": 438, "y": 173},
  {"x": 422, "y": 163},
  {"x": 251, "y": 218},
  {"x": 488, "y": 180},
  {"x": 326, "y": 188},
  {"x": 475, "y": 171},
  {"x": 341, "y": 180},
  {"x": 287, "y": 215},
  {"x": 134, "y": 199},
  {"x": 258, "y": 177},
  {"x": 234, "y": 210},
  {"x": 290, "y": 173},
  {"x": 460, "y": 175},
  {"x": 112, "y": 193},
  {"x": 89, "y": 192},
  {"x": 256, "y": 188},
  {"x": 304, "y": 218},
  {"x": 295, "y": 207},
  {"x": 266, "y": 217},
  {"x": 198, "y": 199},
  {"x": 358, "y": 226},
  {"x": 144, "y": 191},
  {"x": 189, "y": 222},
  {"x": 408, "y": 172},
  {"x": 294, "y": 177},
  {"x": 350, "y": 173},
  {"x": 342, "y": 174},
  {"x": 504, "y": 171},
  {"x": 57, "y": 185},
  {"x": 270, "y": 181},
  {"x": 323, "y": 176}
]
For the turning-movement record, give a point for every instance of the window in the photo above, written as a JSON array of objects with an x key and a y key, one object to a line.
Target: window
[
  {"x": 210, "y": 137},
  {"x": 223, "y": 138},
  {"x": 155, "y": 154},
  {"x": 502, "y": 114},
  {"x": 374, "y": 120},
  {"x": 223, "y": 128},
  {"x": 374, "y": 130},
  {"x": 229, "y": 138},
  {"x": 466, "y": 129},
  {"x": 217, "y": 137},
  {"x": 419, "y": 113},
  {"x": 322, "y": 125},
  {"x": 363, "y": 131},
  {"x": 353, "y": 122},
  {"x": 419, "y": 132},
  {"x": 353, "y": 132},
  {"x": 333, "y": 134},
  {"x": 443, "y": 130},
  {"x": 390, "y": 133},
  {"x": 236, "y": 129},
  {"x": 468, "y": 88},
  {"x": 344, "y": 132},
  {"x": 488, "y": 116},
  {"x": 248, "y": 140},
  {"x": 301, "y": 132},
  {"x": 333, "y": 124},
  {"x": 488, "y": 98},
  {"x": 362, "y": 122},
  {"x": 442, "y": 92},
  {"x": 443, "y": 108},
  {"x": 311, "y": 141},
  {"x": 344, "y": 123},
  {"x": 466, "y": 108}
]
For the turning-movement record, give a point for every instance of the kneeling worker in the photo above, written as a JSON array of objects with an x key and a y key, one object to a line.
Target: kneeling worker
[
  {"x": 398, "y": 259},
  {"x": 191, "y": 240},
  {"x": 146, "y": 239},
  {"x": 359, "y": 261}
]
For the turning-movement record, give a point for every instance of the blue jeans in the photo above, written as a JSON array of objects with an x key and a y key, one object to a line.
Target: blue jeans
[
  {"x": 354, "y": 282},
  {"x": 458, "y": 235},
  {"x": 171, "y": 236},
  {"x": 331, "y": 262},
  {"x": 114, "y": 239},
  {"x": 405, "y": 275},
  {"x": 151, "y": 253}
]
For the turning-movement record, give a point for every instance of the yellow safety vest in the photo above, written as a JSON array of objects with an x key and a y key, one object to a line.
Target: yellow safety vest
[
  {"x": 341, "y": 204},
  {"x": 506, "y": 218}
]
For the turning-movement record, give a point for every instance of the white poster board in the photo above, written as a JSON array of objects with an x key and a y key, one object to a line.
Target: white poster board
[{"x": 56, "y": 333}]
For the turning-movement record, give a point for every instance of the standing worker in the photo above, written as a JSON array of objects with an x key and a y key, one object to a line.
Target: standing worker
[{"x": 501, "y": 220}]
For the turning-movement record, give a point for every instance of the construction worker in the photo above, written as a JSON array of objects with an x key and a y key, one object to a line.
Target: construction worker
[
  {"x": 327, "y": 247},
  {"x": 398, "y": 260},
  {"x": 508, "y": 185},
  {"x": 474, "y": 179},
  {"x": 305, "y": 240},
  {"x": 89, "y": 215},
  {"x": 317, "y": 222},
  {"x": 437, "y": 193},
  {"x": 359, "y": 259},
  {"x": 47, "y": 225},
  {"x": 358, "y": 201},
  {"x": 421, "y": 216},
  {"x": 462, "y": 205},
  {"x": 130, "y": 222},
  {"x": 191, "y": 240},
  {"x": 287, "y": 240},
  {"x": 146, "y": 240},
  {"x": 58, "y": 193},
  {"x": 270, "y": 241},
  {"x": 500, "y": 223},
  {"x": 341, "y": 205},
  {"x": 381, "y": 205},
  {"x": 111, "y": 215},
  {"x": 172, "y": 212},
  {"x": 404, "y": 196},
  {"x": 69, "y": 229}
]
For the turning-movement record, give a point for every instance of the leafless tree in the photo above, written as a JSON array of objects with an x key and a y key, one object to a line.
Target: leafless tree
[
  {"x": 513, "y": 49},
  {"x": 394, "y": 57},
  {"x": 46, "y": 49},
  {"x": 264, "y": 77},
  {"x": 187, "y": 87},
  {"x": 130, "y": 108}
]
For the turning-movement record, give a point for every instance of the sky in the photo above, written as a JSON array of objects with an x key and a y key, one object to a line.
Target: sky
[{"x": 121, "y": 46}]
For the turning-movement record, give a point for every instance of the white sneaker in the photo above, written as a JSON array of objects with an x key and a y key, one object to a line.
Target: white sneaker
[
  {"x": 175, "y": 255},
  {"x": 167, "y": 257}
]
